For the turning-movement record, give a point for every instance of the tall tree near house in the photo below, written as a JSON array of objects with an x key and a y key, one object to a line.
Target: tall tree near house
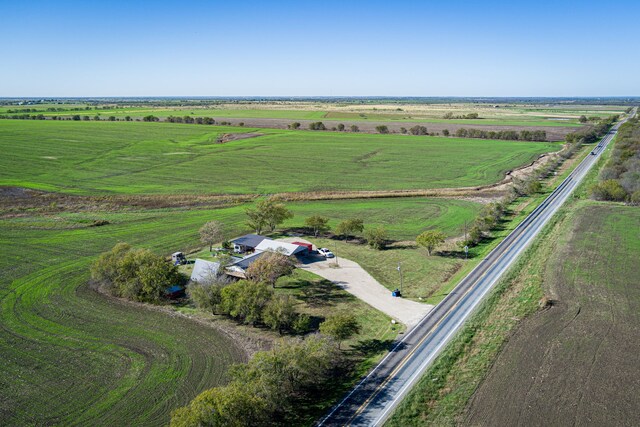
[
  {"x": 211, "y": 232},
  {"x": 255, "y": 220},
  {"x": 317, "y": 224},
  {"x": 430, "y": 240},
  {"x": 272, "y": 212},
  {"x": 269, "y": 268}
]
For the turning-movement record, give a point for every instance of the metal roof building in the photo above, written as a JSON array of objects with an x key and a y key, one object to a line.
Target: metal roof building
[
  {"x": 248, "y": 241},
  {"x": 204, "y": 271},
  {"x": 284, "y": 248}
]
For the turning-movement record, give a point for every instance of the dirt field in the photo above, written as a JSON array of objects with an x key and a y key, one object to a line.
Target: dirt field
[
  {"x": 576, "y": 363},
  {"x": 554, "y": 133}
]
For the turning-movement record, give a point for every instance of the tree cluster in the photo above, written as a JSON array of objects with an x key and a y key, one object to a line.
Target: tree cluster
[
  {"x": 592, "y": 134},
  {"x": 470, "y": 116},
  {"x": 23, "y": 116},
  {"x": 511, "y": 135},
  {"x": 191, "y": 120},
  {"x": 487, "y": 219},
  {"x": 620, "y": 178},
  {"x": 418, "y": 130},
  {"x": 317, "y": 126},
  {"x": 270, "y": 388},
  {"x": 252, "y": 301},
  {"x": 136, "y": 274}
]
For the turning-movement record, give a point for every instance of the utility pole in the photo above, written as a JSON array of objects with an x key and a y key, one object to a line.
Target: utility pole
[
  {"x": 400, "y": 271},
  {"x": 465, "y": 231},
  {"x": 335, "y": 252}
]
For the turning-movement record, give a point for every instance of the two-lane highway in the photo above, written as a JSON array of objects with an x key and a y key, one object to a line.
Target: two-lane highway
[{"x": 371, "y": 402}]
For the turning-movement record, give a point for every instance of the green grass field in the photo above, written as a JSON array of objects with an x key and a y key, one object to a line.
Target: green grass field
[
  {"x": 86, "y": 359},
  {"x": 161, "y": 158}
]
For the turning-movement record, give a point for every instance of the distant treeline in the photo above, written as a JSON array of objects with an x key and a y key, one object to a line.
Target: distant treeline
[
  {"x": 376, "y": 100},
  {"x": 592, "y": 134},
  {"x": 470, "y": 116},
  {"x": 523, "y": 135},
  {"x": 620, "y": 178}
]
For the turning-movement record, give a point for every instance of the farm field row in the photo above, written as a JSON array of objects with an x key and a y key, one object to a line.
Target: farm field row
[
  {"x": 520, "y": 115},
  {"x": 64, "y": 346},
  {"x": 163, "y": 158},
  {"x": 137, "y": 113}
]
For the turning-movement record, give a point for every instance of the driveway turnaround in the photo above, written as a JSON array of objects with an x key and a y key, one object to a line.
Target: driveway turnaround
[{"x": 355, "y": 280}]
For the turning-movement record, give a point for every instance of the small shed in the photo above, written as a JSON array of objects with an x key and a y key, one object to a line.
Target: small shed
[{"x": 204, "y": 271}]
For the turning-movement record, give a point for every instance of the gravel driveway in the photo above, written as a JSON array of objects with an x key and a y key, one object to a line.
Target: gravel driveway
[{"x": 355, "y": 280}]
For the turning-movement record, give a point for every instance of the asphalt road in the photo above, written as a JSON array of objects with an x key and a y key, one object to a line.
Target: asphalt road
[{"x": 372, "y": 401}]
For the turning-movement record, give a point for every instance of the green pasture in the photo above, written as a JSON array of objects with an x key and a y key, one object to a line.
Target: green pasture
[
  {"x": 163, "y": 158},
  {"x": 73, "y": 357}
]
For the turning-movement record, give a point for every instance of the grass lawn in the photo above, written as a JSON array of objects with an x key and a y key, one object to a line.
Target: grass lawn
[{"x": 163, "y": 158}]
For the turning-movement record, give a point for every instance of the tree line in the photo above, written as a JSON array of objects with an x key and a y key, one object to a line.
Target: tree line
[
  {"x": 620, "y": 178},
  {"x": 271, "y": 388},
  {"x": 592, "y": 134},
  {"x": 470, "y": 116},
  {"x": 511, "y": 135}
]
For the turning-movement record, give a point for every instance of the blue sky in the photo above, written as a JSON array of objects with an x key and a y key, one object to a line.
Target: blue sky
[{"x": 328, "y": 48}]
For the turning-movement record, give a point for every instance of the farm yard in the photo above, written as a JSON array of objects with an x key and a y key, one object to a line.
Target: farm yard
[{"x": 45, "y": 299}]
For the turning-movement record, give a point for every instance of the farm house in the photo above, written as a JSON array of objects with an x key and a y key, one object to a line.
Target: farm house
[{"x": 246, "y": 243}]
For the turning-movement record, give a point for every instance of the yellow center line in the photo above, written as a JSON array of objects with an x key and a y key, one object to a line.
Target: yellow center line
[{"x": 405, "y": 360}]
